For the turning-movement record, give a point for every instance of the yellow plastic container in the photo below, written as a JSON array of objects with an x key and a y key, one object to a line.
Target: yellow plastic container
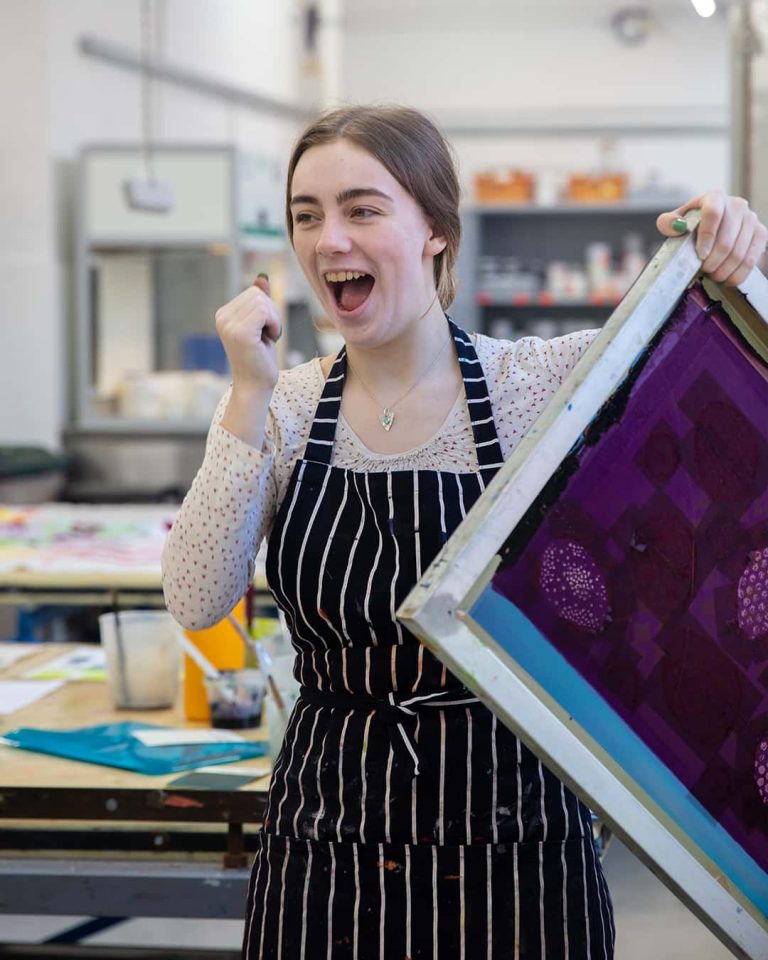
[{"x": 223, "y": 647}]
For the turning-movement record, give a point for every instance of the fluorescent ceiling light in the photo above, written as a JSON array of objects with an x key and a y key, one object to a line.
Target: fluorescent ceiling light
[{"x": 704, "y": 8}]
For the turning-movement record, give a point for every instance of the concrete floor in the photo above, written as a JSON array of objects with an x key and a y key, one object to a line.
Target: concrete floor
[
  {"x": 650, "y": 918},
  {"x": 651, "y": 923}
]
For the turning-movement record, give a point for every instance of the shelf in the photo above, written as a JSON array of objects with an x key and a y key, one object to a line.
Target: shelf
[
  {"x": 542, "y": 301},
  {"x": 122, "y": 426},
  {"x": 119, "y": 244},
  {"x": 249, "y": 242},
  {"x": 592, "y": 209}
]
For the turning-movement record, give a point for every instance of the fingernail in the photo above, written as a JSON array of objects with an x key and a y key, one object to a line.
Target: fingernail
[
  {"x": 262, "y": 276},
  {"x": 679, "y": 225}
]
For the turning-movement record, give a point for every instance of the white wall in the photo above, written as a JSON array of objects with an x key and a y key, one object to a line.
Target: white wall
[
  {"x": 249, "y": 44},
  {"x": 759, "y": 152},
  {"x": 53, "y": 100},
  {"x": 30, "y": 321},
  {"x": 516, "y": 60}
]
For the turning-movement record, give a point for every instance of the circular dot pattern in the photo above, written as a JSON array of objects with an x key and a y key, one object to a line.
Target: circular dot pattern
[
  {"x": 573, "y": 584},
  {"x": 752, "y": 595},
  {"x": 761, "y": 769}
]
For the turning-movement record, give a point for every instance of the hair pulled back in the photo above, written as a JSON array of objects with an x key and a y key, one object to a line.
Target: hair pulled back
[{"x": 415, "y": 153}]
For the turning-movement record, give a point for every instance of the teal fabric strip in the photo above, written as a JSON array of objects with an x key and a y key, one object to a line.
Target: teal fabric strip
[{"x": 515, "y": 634}]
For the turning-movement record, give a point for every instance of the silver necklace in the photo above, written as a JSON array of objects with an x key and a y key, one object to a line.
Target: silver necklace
[{"x": 387, "y": 415}]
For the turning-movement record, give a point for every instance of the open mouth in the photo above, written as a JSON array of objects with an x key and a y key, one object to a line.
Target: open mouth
[{"x": 350, "y": 288}]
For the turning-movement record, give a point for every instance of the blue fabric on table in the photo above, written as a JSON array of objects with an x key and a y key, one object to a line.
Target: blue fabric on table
[{"x": 113, "y": 745}]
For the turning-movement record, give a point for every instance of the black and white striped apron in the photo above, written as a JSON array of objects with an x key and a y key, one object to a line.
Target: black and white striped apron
[{"x": 403, "y": 820}]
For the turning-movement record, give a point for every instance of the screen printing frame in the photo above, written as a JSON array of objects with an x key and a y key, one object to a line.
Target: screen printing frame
[{"x": 438, "y": 610}]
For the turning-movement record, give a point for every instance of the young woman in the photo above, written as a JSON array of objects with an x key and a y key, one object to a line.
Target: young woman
[{"x": 403, "y": 820}]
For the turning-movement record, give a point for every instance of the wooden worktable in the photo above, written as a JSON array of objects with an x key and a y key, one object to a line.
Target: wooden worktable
[
  {"x": 86, "y": 703},
  {"x": 81, "y": 839}
]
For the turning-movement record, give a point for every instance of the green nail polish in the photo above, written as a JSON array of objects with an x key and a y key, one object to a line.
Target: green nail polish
[{"x": 679, "y": 225}]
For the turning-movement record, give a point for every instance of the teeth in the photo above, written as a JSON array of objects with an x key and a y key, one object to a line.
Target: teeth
[{"x": 342, "y": 275}]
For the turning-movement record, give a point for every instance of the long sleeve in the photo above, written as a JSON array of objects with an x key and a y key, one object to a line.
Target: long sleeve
[{"x": 209, "y": 555}]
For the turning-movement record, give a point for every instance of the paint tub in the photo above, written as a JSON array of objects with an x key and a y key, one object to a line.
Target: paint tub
[{"x": 235, "y": 698}]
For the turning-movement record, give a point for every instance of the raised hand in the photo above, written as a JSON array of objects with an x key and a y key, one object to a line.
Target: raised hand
[
  {"x": 249, "y": 326},
  {"x": 730, "y": 238}
]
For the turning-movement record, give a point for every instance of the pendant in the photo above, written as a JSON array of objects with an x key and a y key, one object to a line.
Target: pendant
[{"x": 386, "y": 419}]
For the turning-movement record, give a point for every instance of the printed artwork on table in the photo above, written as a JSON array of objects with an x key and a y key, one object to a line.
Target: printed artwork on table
[
  {"x": 67, "y": 538},
  {"x": 644, "y": 562}
]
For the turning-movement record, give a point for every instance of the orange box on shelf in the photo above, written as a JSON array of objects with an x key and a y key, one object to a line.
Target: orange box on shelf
[
  {"x": 516, "y": 186},
  {"x": 223, "y": 647},
  {"x": 585, "y": 188}
]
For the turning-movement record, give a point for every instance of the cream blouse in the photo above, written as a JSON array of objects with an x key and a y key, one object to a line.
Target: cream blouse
[{"x": 209, "y": 556}]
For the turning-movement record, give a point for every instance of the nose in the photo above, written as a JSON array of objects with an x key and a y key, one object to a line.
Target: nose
[{"x": 333, "y": 237}]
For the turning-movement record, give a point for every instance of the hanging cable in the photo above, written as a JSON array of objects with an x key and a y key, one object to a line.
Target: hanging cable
[
  {"x": 145, "y": 192},
  {"x": 146, "y": 89}
]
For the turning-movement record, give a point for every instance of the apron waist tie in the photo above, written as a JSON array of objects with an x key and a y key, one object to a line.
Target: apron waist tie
[{"x": 396, "y": 712}]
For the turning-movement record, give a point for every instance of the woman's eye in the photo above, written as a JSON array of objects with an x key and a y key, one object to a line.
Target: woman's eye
[
  {"x": 363, "y": 213},
  {"x": 303, "y": 218}
]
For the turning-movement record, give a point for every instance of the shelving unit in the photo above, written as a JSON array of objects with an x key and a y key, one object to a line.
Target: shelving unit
[{"x": 535, "y": 237}]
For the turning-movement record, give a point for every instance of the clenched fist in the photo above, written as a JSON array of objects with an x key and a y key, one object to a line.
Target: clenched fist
[{"x": 249, "y": 326}]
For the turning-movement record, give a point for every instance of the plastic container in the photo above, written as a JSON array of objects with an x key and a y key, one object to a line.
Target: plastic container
[
  {"x": 223, "y": 647},
  {"x": 143, "y": 659},
  {"x": 235, "y": 699}
]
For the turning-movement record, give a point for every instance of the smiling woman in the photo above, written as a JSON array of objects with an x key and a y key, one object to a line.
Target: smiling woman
[{"x": 403, "y": 820}]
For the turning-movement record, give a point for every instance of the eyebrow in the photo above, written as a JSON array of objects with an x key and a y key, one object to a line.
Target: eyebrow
[{"x": 344, "y": 197}]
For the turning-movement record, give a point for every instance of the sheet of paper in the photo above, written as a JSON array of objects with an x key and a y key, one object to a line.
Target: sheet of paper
[
  {"x": 15, "y": 694},
  {"x": 179, "y": 737},
  {"x": 11, "y": 652},
  {"x": 224, "y": 778},
  {"x": 82, "y": 663}
]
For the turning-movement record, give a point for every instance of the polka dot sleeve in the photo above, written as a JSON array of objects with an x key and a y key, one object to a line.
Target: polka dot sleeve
[{"x": 209, "y": 555}]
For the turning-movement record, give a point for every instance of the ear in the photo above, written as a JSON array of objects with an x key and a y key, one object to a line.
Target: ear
[{"x": 434, "y": 244}]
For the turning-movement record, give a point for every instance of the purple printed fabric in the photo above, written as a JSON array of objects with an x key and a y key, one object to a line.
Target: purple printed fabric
[{"x": 648, "y": 570}]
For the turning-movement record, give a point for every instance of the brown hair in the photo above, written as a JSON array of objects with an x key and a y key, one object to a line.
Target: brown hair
[{"x": 417, "y": 155}]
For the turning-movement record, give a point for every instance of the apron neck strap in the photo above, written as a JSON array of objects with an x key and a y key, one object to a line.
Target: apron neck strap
[
  {"x": 319, "y": 447},
  {"x": 489, "y": 456},
  {"x": 323, "y": 431}
]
